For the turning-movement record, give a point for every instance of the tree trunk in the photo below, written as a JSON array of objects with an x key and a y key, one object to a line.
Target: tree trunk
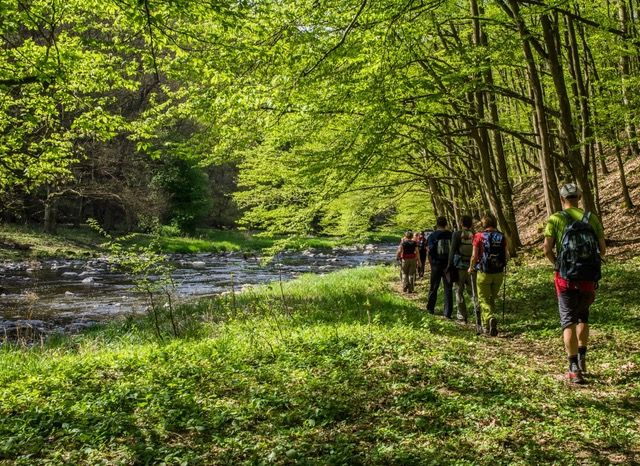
[
  {"x": 574, "y": 159},
  {"x": 603, "y": 159},
  {"x": 50, "y": 213},
  {"x": 436, "y": 196},
  {"x": 623, "y": 17},
  {"x": 541, "y": 125},
  {"x": 497, "y": 193},
  {"x": 628, "y": 203}
]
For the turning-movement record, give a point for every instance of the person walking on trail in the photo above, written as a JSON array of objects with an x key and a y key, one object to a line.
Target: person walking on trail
[
  {"x": 460, "y": 259},
  {"x": 574, "y": 244},
  {"x": 409, "y": 259},
  {"x": 422, "y": 250},
  {"x": 488, "y": 261},
  {"x": 439, "y": 245}
]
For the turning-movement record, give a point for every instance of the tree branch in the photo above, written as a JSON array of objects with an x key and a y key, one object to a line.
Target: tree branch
[{"x": 343, "y": 39}]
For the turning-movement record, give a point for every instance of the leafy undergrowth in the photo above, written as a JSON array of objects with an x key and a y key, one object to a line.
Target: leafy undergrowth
[{"x": 337, "y": 369}]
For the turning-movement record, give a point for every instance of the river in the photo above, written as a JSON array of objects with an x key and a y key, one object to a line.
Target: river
[{"x": 44, "y": 297}]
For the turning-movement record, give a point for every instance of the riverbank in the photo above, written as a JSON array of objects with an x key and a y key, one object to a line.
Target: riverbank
[
  {"x": 39, "y": 298},
  {"x": 24, "y": 243},
  {"x": 335, "y": 369}
]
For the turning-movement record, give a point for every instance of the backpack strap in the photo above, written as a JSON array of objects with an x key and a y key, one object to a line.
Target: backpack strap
[
  {"x": 490, "y": 235},
  {"x": 586, "y": 217},
  {"x": 568, "y": 217}
]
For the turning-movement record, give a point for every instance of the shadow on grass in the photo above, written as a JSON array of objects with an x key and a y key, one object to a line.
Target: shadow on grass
[{"x": 330, "y": 399}]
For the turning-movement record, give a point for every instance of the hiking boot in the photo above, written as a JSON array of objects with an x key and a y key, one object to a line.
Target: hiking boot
[
  {"x": 582, "y": 365},
  {"x": 493, "y": 327},
  {"x": 575, "y": 377}
]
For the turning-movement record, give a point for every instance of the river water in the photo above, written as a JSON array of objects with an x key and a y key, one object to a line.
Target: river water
[{"x": 67, "y": 296}]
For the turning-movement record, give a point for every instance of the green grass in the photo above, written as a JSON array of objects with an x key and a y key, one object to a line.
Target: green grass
[
  {"x": 228, "y": 240},
  {"x": 80, "y": 242},
  {"x": 233, "y": 241},
  {"x": 83, "y": 242},
  {"x": 336, "y": 369}
]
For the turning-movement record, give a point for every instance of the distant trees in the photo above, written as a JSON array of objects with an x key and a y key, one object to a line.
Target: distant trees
[{"x": 81, "y": 85}]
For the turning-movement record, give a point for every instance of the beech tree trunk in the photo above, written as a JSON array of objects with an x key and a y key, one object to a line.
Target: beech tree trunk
[
  {"x": 626, "y": 197},
  {"x": 574, "y": 158},
  {"x": 625, "y": 66},
  {"x": 541, "y": 125}
]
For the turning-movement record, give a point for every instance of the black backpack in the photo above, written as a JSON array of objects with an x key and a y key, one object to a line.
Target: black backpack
[
  {"x": 443, "y": 246},
  {"x": 494, "y": 254},
  {"x": 409, "y": 248},
  {"x": 579, "y": 257}
]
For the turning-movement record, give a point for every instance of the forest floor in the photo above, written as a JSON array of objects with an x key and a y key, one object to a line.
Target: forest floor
[
  {"x": 335, "y": 369},
  {"x": 622, "y": 226}
]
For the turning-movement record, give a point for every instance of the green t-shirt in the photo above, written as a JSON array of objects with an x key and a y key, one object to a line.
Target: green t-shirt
[{"x": 557, "y": 223}]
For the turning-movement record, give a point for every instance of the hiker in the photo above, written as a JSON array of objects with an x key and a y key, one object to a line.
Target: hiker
[
  {"x": 574, "y": 244},
  {"x": 407, "y": 254},
  {"x": 488, "y": 261},
  {"x": 439, "y": 245},
  {"x": 460, "y": 260},
  {"x": 422, "y": 251}
]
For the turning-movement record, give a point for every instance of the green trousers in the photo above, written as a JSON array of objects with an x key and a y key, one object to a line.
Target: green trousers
[{"x": 488, "y": 290}]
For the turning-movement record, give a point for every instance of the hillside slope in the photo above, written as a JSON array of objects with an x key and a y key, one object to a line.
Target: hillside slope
[{"x": 622, "y": 228}]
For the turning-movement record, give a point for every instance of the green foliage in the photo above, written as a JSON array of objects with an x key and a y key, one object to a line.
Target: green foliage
[
  {"x": 57, "y": 86},
  {"x": 335, "y": 114},
  {"x": 148, "y": 268},
  {"x": 189, "y": 193},
  {"x": 330, "y": 370}
]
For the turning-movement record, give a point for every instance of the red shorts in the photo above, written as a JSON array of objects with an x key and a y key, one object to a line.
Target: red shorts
[{"x": 563, "y": 285}]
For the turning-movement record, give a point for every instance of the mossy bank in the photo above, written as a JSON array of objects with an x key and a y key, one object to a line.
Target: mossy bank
[{"x": 23, "y": 243}]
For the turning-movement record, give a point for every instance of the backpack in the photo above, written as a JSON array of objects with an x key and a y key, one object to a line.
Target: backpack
[
  {"x": 494, "y": 255},
  {"x": 462, "y": 258},
  {"x": 579, "y": 257},
  {"x": 408, "y": 249},
  {"x": 443, "y": 245}
]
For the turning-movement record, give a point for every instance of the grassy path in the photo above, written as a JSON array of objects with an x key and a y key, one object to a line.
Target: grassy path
[{"x": 339, "y": 369}]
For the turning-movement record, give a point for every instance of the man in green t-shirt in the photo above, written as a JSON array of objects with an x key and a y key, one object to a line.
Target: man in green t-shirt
[{"x": 574, "y": 296}]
